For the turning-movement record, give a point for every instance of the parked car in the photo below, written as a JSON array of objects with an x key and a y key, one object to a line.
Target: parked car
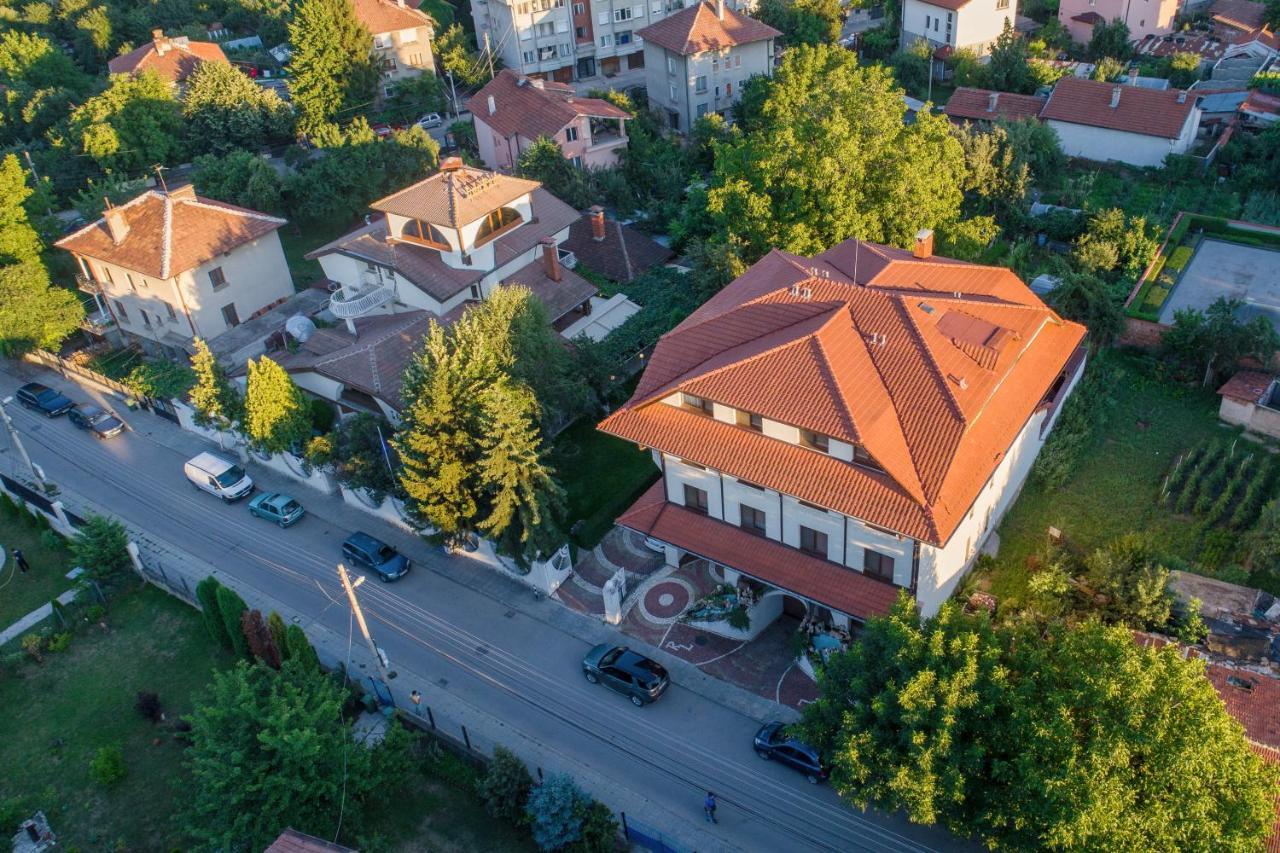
[
  {"x": 429, "y": 121},
  {"x": 211, "y": 473},
  {"x": 43, "y": 399},
  {"x": 633, "y": 675},
  {"x": 368, "y": 553},
  {"x": 100, "y": 422},
  {"x": 773, "y": 744},
  {"x": 276, "y": 506},
  {"x": 382, "y": 131}
]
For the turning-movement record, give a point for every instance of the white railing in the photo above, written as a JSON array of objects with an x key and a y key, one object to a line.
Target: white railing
[{"x": 361, "y": 303}]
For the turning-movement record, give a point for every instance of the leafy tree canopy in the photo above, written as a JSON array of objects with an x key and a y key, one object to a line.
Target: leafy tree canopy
[
  {"x": 1214, "y": 340},
  {"x": 1009, "y": 69},
  {"x": 133, "y": 125},
  {"x": 226, "y": 111},
  {"x": 276, "y": 413},
  {"x": 239, "y": 177},
  {"x": 216, "y": 401},
  {"x": 1110, "y": 39},
  {"x": 333, "y": 69}
]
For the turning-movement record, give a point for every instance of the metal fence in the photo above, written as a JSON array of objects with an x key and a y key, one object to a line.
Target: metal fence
[
  {"x": 649, "y": 838},
  {"x": 30, "y": 496}
]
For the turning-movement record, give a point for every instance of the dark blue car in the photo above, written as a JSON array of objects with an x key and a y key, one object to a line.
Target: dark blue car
[
  {"x": 368, "y": 554},
  {"x": 773, "y": 744},
  {"x": 43, "y": 399}
]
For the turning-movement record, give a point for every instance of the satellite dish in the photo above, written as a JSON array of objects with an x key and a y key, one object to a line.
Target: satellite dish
[{"x": 300, "y": 328}]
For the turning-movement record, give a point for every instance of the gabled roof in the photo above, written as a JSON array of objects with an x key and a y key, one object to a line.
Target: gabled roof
[
  {"x": 456, "y": 195},
  {"x": 932, "y": 365},
  {"x": 623, "y": 254},
  {"x": 698, "y": 28},
  {"x": 976, "y": 104},
  {"x": 385, "y": 16},
  {"x": 1247, "y": 385},
  {"x": 292, "y": 841},
  {"x": 1238, "y": 14},
  {"x": 170, "y": 233},
  {"x": 173, "y": 58},
  {"x": 533, "y": 108},
  {"x": 1149, "y": 112}
]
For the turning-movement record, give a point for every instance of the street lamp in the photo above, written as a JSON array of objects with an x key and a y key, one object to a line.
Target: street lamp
[
  {"x": 378, "y": 654},
  {"x": 17, "y": 442}
]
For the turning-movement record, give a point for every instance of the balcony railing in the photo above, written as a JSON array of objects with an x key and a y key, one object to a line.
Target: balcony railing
[
  {"x": 88, "y": 285},
  {"x": 568, "y": 259},
  {"x": 97, "y": 322},
  {"x": 360, "y": 303}
]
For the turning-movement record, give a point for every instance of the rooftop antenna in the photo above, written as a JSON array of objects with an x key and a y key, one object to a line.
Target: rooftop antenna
[
  {"x": 159, "y": 170},
  {"x": 857, "y": 245}
]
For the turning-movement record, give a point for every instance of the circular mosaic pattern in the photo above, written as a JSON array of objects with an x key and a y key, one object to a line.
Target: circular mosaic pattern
[{"x": 666, "y": 600}]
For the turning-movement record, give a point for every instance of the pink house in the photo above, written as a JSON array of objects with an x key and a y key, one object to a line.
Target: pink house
[
  {"x": 512, "y": 111},
  {"x": 1143, "y": 17}
]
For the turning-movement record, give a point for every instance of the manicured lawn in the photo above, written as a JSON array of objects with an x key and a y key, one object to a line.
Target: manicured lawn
[
  {"x": 19, "y": 593},
  {"x": 297, "y": 243},
  {"x": 1114, "y": 490},
  {"x": 602, "y": 476},
  {"x": 61, "y": 712},
  {"x": 440, "y": 11}
]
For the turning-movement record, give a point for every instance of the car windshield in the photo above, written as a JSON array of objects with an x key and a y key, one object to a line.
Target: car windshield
[
  {"x": 611, "y": 656},
  {"x": 385, "y": 554},
  {"x": 48, "y": 395},
  {"x": 230, "y": 477}
]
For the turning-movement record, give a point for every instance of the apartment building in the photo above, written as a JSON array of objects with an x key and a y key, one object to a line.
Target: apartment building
[
  {"x": 401, "y": 38},
  {"x": 698, "y": 60},
  {"x": 840, "y": 429},
  {"x": 956, "y": 24}
]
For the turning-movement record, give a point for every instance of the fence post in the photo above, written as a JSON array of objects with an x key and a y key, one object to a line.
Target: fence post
[
  {"x": 135, "y": 557},
  {"x": 625, "y": 832},
  {"x": 466, "y": 737}
]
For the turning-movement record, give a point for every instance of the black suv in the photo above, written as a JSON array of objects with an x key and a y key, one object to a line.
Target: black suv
[
  {"x": 43, "y": 399},
  {"x": 366, "y": 553},
  {"x": 772, "y": 744},
  {"x": 635, "y": 676}
]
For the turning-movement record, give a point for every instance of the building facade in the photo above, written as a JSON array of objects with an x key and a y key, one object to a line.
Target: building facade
[
  {"x": 958, "y": 24},
  {"x": 698, "y": 60},
  {"x": 839, "y": 429},
  {"x": 512, "y": 111},
  {"x": 1128, "y": 124},
  {"x": 1148, "y": 18},
  {"x": 170, "y": 266},
  {"x": 401, "y": 38}
]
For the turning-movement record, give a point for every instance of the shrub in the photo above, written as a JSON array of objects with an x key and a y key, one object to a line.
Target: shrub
[
  {"x": 1206, "y": 463},
  {"x": 51, "y": 539},
  {"x": 8, "y": 508},
  {"x": 275, "y": 624},
  {"x": 1082, "y": 416},
  {"x": 207, "y": 595},
  {"x": 148, "y": 705},
  {"x": 1181, "y": 470},
  {"x": 100, "y": 547},
  {"x": 95, "y": 612},
  {"x": 556, "y": 809},
  {"x": 599, "y": 830},
  {"x": 1241, "y": 475},
  {"x": 300, "y": 648},
  {"x": 60, "y": 642},
  {"x": 739, "y": 618},
  {"x": 1128, "y": 572},
  {"x": 1211, "y": 486},
  {"x": 1179, "y": 258},
  {"x": 33, "y": 645},
  {"x": 1255, "y": 496},
  {"x": 1190, "y": 626},
  {"x": 230, "y": 606},
  {"x": 453, "y": 769},
  {"x": 258, "y": 636},
  {"x": 107, "y": 767},
  {"x": 505, "y": 786}
]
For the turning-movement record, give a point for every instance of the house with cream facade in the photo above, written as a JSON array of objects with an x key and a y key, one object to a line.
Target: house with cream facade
[
  {"x": 837, "y": 430},
  {"x": 1143, "y": 18},
  {"x": 401, "y": 38},
  {"x": 170, "y": 266},
  {"x": 956, "y": 24},
  {"x": 1103, "y": 121},
  {"x": 698, "y": 60}
]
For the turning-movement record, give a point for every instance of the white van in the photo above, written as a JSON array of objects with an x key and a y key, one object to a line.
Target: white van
[{"x": 217, "y": 476}]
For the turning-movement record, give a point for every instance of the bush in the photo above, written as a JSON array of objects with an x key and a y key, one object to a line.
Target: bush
[
  {"x": 599, "y": 830},
  {"x": 1255, "y": 496},
  {"x": 556, "y": 810},
  {"x": 505, "y": 786},
  {"x": 1179, "y": 258},
  {"x": 1206, "y": 464},
  {"x": 230, "y": 607},
  {"x": 100, "y": 547},
  {"x": 1081, "y": 418},
  {"x": 739, "y": 619},
  {"x": 207, "y": 595},
  {"x": 8, "y": 508},
  {"x": 107, "y": 767},
  {"x": 148, "y": 705},
  {"x": 1182, "y": 471},
  {"x": 60, "y": 642},
  {"x": 1128, "y": 572},
  {"x": 33, "y": 645},
  {"x": 300, "y": 648},
  {"x": 51, "y": 539},
  {"x": 1244, "y": 472}
]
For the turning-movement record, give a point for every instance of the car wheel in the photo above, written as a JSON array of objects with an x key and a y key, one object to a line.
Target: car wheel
[
  {"x": 637, "y": 701},
  {"x": 283, "y": 524},
  {"x": 763, "y": 753},
  {"x": 813, "y": 780},
  {"x": 592, "y": 677}
]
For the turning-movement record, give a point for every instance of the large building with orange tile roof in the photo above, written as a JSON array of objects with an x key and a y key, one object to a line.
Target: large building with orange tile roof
[
  {"x": 841, "y": 428},
  {"x": 401, "y": 38},
  {"x": 174, "y": 58}
]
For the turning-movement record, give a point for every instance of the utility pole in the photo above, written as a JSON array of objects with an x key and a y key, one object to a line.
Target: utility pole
[
  {"x": 488, "y": 52},
  {"x": 22, "y": 450},
  {"x": 364, "y": 627},
  {"x": 454, "y": 90},
  {"x": 30, "y": 165}
]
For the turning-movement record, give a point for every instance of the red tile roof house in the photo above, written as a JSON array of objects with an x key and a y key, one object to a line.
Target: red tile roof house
[
  {"x": 512, "y": 111},
  {"x": 1107, "y": 121},
  {"x": 1250, "y": 400},
  {"x": 968, "y": 104},
  {"x": 844, "y": 427},
  {"x": 401, "y": 38},
  {"x": 173, "y": 58},
  {"x": 951, "y": 25}
]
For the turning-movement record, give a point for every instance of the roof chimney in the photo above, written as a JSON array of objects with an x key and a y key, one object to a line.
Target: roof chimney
[
  {"x": 161, "y": 43},
  {"x": 537, "y": 82},
  {"x": 597, "y": 222},
  {"x": 117, "y": 225},
  {"x": 924, "y": 244},
  {"x": 493, "y": 105},
  {"x": 720, "y": 9},
  {"x": 450, "y": 164},
  {"x": 1182, "y": 96},
  {"x": 550, "y": 258},
  {"x": 991, "y": 101},
  {"x": 1115, "y": 97}
]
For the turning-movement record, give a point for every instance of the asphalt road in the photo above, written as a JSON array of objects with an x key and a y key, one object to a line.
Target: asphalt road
[{"x": 432, "y": 624}]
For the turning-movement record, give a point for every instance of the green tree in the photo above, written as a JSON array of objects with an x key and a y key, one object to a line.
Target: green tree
[
  {"x": 505, "y": 786},
  {"x": 1273, "y": 14},
  {"x": 300, "y": 648},
  {"x": 100, "y": 546},
  {"x": 1110, "y": 40},
  {"x": 808, "y": 22},
  {"x": 994, "y": 175},
  {"x": 413, "y": 97},
  {"x": 232, "y": 609},
  {"x": 276, "y": 415},
  {"x": 241, "y": 178},
  {"x": 456, "y": 52},
  {"x": 214, "y": 398},
  {"x": 1107, "y": 70},
  {"x": 556, "y": 810},
  {"x": 333, "y": 71},
  {"x": 543, "y": 161},
  {"x": 1115, "y": 244},
  {"x": 279, "y": 634},
  {"x": 1009, "y": 68},
  {"x": 271, "y": 750},
  {"x": 1214, "y": 340},
  {"x": 1128, "y": 572},
  {"x": 225, "y": 111},
  {"x": 1086, "y": 299},
  {"x": 1184, "y": 69},
  {"x": 1036, "y": 146},
  {"x": 207, "y": 595},
  {"x": 831, "y": 159},
  {"x": 19, "y": 242},
  {"x": 912, "y": 66},
  {"x": 131, "y": 126}
]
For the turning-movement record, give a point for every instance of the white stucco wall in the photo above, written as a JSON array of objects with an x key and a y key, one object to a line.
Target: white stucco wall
[
  {"x": 1235, "y": 411},
  {"x": 975, "y": 26},
  {"x": 1136, "y": 149}
]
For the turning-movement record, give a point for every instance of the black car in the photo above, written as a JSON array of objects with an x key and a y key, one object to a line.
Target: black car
[
  {"x": 100, "y": 422},
  {"x": 773, "y": 744},
  {"x": 364, "y": 552},
  {"x": 635, "y": 676},
  {"x": 43, "y": 399}
]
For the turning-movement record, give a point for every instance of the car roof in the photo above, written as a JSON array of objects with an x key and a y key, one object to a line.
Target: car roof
[
  {"x": 360, "y": 539},
  {"x": 636, "y": 662},
  {"x": 35, "y": 388},
  {"x": 89, "y": 410},
  {"x": 211, "y": 462}
]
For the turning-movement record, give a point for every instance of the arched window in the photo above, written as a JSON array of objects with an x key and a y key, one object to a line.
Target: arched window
[
  {"x": 496, "y": 222},
  {"x": 427, "y": 234}
]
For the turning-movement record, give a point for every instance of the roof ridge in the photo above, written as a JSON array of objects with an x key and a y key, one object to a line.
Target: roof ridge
[
  {"x": 232, "y": 209},
  {"x": 914, "y": 328},
  {"x": 824, "y": 365},
  {"x": 166, "y": 237}
]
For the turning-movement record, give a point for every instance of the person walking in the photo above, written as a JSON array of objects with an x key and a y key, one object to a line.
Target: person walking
[
  {"x": 20, "y": 560},
  {"x": 709, "y": 807}
]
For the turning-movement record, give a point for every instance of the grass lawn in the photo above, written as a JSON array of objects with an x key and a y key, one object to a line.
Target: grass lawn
[
  {"x": 602, "y": 476},
  {"x": 1114, "y": 489},
  {"x": 19, "y": 593},
  {"x": 297, "y": 242},
  {"x": 62, "y": 711},
  {"x": 440, "y": 11},
  {"x": 1151, "y": 194}
]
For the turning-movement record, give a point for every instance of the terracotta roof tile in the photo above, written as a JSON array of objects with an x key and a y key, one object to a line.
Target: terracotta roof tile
[
  {"x": 292, "y": 841},
  {"x": 170, "y": 233},
  {"x": 1248, "y": 385},
  {"x": 1088, "y": 18},
  {"x": 173, "y": 58},
  {"x": 385, "y": 16},
  {"x": 623, "y": 254},
  {"x": 967, "y": 103},
  {"x": 844, "y": 589},
  {"x": 697, "y": 28},
  {"x": 534, "y": 108},
  {"x": 933, "y": 366},
  {"x": 1240, "y": 14},
  {"x": 1151, "y": 112},
  {"x": 455, "y": 197}
]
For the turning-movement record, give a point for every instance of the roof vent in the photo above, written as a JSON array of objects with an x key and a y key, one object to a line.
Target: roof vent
[
  {"x": 799, "y": 292},
  {"x": 925, "y": 307},
  {"x": 493, "y": 105},
  {"x": 1115, "y": 97},
  {"x": 451, "y": 164},
  {"x": 960, "y": 381},
  {"x": 1182, "y": 96}
]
